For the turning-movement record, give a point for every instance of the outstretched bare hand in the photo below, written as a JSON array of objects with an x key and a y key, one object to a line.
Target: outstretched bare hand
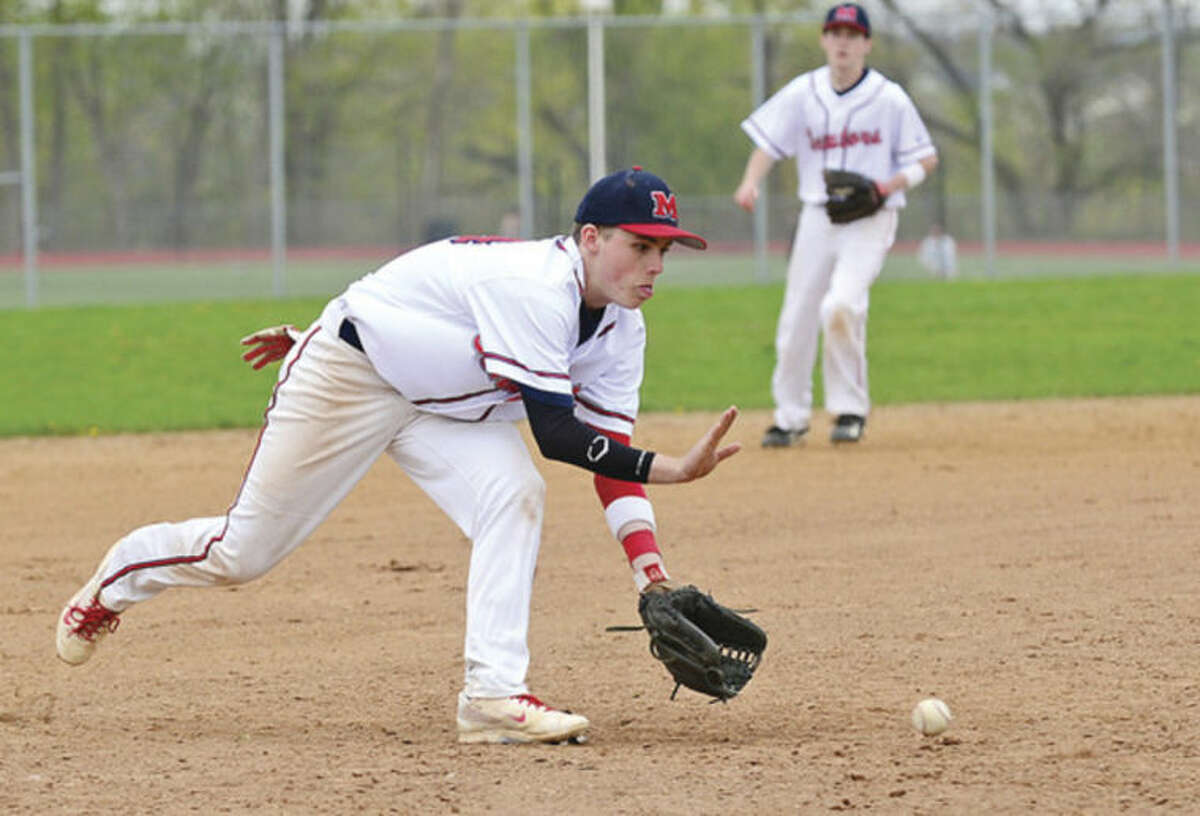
[{"x": 701, "y": 459}]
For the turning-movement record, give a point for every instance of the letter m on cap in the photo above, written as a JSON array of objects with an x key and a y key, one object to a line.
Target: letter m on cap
[
  {"x": 664, "y": 205},
  {"x": 846, "y": 14}
]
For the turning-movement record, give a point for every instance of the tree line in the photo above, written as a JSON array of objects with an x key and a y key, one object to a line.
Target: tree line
[{"x": 160, "y": 140}]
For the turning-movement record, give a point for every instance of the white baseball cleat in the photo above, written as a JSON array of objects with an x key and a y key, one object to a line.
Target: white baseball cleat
[
  {"x": 519, "y": 718},
  {"x": 83, "y": 622}
]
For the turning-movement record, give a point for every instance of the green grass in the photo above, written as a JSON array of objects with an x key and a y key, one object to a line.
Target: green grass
[
  {"x": 105, "y": 369},
  {"x": 1110, "y": 336},
  {"x": 930, "y": 342},
  {"x": 137, "y": 368}
]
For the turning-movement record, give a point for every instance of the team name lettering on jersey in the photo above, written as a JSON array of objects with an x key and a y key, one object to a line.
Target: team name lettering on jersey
[
  {"x": 847, "y": 138},
  {"x": 664, "y": 205},
  {"x": 873, "y": 129}
]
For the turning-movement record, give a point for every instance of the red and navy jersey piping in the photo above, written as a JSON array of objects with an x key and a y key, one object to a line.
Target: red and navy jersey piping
[
  {"x": 554, "y": 375},
  {"x": 203, "y": 554},
  {"x": 596, "y": 409}
]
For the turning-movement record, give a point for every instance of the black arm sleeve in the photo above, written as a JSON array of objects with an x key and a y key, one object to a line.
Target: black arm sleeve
[{"x": 562, "y": 437}]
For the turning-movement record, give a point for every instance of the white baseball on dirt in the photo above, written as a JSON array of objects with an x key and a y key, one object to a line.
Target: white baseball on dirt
[{"x": 931, "y": 717}]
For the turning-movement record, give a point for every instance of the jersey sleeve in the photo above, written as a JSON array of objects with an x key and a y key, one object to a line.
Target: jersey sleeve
[
  {"x": 607, "y": 398},
  {"x": 524, "y": 332},
  {"x": 777, "y": 124},
  {"x": 913, "y": 141}
]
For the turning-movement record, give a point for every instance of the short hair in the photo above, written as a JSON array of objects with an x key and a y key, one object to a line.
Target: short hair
[{"x": 577, "y": 233}]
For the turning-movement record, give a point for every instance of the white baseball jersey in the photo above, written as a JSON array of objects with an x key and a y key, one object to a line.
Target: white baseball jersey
[
  {"x": 873, "y": 128},
  {"x": 449, "y": 323}
]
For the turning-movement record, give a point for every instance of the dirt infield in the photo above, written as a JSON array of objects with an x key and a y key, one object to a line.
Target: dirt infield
[{"x": 1035, "y": 565}]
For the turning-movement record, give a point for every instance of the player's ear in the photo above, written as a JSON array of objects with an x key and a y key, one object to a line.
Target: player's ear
[{"x": 589, "y": 236}]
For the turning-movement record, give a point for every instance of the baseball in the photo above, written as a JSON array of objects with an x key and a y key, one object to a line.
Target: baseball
[{"x": 931, "y": 717}]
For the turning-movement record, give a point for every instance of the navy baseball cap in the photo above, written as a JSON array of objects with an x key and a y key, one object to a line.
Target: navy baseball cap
[
  {"x": 637, "y": 202},
  {"x": 848, "y": 15}
]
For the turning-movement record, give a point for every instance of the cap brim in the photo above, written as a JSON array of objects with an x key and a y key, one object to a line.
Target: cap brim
[
  {"x": 846, "y": 24},
  {"x": 688, "y": 239}
]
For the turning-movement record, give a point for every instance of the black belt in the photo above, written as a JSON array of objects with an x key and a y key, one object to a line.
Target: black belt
[{"x": 350, "y": 334}]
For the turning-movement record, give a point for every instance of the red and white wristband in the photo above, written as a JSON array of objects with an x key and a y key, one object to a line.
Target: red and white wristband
[
  {"x": 641, "y": 547},
  {"x": 644, "y": 557}
]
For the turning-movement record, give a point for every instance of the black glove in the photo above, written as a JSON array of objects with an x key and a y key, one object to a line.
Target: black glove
[
  {"x": 851, "y": 196},
  {"x": 705, "y": 646}
]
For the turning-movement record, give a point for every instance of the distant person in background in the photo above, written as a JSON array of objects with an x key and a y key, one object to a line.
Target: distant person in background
[
  {"x": 510, "y": 225},
  {"x": 841, "y": 116},
  {"x": 938, "y": 253}
]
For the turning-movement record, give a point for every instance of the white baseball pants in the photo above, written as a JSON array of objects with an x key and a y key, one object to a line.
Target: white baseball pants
[
  {"x": 828, "y": 288},
  {"x": 330, "y": 418}
]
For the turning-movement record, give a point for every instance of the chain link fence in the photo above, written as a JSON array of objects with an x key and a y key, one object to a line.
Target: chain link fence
[{"x": 150, "y": 162}]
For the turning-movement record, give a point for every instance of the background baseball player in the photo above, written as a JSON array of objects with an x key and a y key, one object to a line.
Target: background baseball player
[
  {"x": 431, "y": 359},
  {"x": 843, "y": 116}
]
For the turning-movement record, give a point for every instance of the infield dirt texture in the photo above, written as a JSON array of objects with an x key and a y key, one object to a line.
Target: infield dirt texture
[{"x": 1033, "y": 564}]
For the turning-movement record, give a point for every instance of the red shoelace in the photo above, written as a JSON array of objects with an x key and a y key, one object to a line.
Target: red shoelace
[
  {"x": 529, "y": 699},
  {"x": 86, "y": 622}
]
